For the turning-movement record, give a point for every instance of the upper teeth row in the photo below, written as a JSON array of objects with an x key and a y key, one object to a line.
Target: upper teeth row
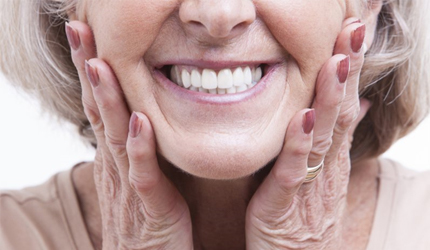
[{"x": 240, "y": 79}]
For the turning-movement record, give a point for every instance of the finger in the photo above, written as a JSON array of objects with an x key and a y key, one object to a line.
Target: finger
[
  {"x": 350, "y": 42},
  {"x": 330, "y": 91},
  {"x": 364, "y": 107},
  {"x": 160, "y": 198},
  {"x": 82, "y": 46},
  {"x": 275, "y": 194},
  {"x": 112, "y": 107}
]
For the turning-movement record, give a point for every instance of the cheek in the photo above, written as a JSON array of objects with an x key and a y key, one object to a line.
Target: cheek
[
  {"x": 306, "y": 29},
  {"x": 125, "y": 29}
]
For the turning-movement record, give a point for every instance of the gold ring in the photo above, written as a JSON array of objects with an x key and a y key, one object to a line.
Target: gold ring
[{"x": 313, "y": 172}]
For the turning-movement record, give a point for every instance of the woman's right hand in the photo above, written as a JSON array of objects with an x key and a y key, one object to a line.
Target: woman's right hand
[{"x": 140, "y": 207}]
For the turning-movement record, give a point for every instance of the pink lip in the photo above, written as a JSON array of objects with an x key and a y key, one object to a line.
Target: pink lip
[
  {"x": 216, "y": 65},
  {"x": 201, "y": 97}
]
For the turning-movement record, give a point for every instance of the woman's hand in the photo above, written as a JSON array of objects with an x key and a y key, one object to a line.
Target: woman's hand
[
  {"x": 140, "y": 207},
  {"x": 285, "y": 212}
]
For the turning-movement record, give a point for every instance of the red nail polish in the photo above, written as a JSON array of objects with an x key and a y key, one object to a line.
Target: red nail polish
[
  {"x": 135, "y": 125},
  {"x": 343, "y": 70},
  {"x": 92, "y": 74},
  {"x": 308, "y": 121},
  {"x": 73, "y": 37},
  {"x": 357, "y": 38}
]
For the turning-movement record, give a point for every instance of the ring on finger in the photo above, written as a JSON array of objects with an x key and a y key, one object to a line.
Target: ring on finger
[{"x": 313, "y": 172}]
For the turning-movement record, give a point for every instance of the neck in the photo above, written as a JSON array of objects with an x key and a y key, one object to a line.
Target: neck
[{"x": 217, "y": 207}]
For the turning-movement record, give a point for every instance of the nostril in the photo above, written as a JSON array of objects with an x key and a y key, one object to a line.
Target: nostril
[{"x": 224, "y": 19}]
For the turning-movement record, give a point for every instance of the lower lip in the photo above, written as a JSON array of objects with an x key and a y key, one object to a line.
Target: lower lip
[{"x": 201, "y": 97}]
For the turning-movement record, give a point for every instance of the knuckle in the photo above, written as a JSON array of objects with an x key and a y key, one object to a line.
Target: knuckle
[
  {"x": 321, "y": 145},
  {"x": 116, "y": 146},
  {"x": 143, "y": 181},
  {"x": 105, "y": 104},
  {"x": 287, "y": 180},
  {"x": 94, "y": 119},
  {"x": 137, "y": 154},
  {"x": 348, "y": 116},
  {"x": 111, "y": 182},
  {"x": 300, "y": 149},
  {"x": 330, "y": 103}
]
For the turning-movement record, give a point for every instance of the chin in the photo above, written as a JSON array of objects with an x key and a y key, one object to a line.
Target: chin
[{"x": 232, "y": 160}]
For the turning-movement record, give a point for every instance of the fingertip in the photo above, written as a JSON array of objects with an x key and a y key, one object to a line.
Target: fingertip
[
  {"x": 135, "y": 125},
  {"x": 308, "y": 121},
  {"x": 72, "y": 36},
  {"x": 146, "y": 125},
  {"x": 80, "y": 30},
  {"x": 298, "y": 141},
  {"x": 141, "y": 143}
]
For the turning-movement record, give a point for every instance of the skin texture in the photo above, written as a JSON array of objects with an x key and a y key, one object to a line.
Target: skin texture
[
  {"x": 145, "y": 202},
  {"x": 237, "y": 142}
]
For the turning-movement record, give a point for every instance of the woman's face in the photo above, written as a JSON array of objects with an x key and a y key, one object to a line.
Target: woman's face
[{"x": 151, "y": 44}]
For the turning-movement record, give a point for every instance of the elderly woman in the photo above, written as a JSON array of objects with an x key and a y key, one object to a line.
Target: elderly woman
[{"x": 230, "y": 124}]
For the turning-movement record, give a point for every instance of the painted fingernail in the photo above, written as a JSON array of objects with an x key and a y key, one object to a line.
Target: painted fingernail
[
  {"x": 135, "y": 125},
  {"x": 92, "y": 74},
  {"x": 72, "y": 37},
  {"x": 343, "y": 70},
  {"x": 308, "y": 121},
  {"x": 357, "y": 38}
]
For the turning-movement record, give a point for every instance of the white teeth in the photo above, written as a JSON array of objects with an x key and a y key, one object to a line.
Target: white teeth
[
  {"x": 241, "y": 88},
  {"x": 225, "y": 79},
  {"x": 186, "y": 78},
  {"x": 221, "y": 91},
  {"x": 238, "y": 77},
  {"x": 203, "y": 90},
  {"x": 173, "y": 75},
  {"x": 196, "y": 80},
  {"x": 247, "y": 76},
  {"x": 176, "y": 77},
  {"x": 258, "y": 75},
  {"x": 208, "y": 81},
  {"x": 231, "y": 90}
]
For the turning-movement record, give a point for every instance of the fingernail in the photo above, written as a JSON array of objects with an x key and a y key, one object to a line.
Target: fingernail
[
  {"x": 72, "y": 37},
  {"x": 308, "y": 121},
  {"x": 135, "y": 125},
  {"x": 357, "y": 38},
  {"x": 92, "y": 74},
  {"x": 343, "y": 70}
]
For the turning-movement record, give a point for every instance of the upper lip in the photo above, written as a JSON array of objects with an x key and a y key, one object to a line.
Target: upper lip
[{"x": 215, "y": 65}]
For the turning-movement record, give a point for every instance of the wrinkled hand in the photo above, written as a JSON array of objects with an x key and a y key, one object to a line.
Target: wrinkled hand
[
  {"x": 140, "y": 207},
  {"x": 285, "y": 212}
]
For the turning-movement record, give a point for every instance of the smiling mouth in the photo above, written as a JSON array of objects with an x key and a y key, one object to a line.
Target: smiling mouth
[{"x": 224, "y": 81}]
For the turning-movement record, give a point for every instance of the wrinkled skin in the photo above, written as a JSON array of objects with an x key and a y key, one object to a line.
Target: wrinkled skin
[{"x": 143, "y": 207}]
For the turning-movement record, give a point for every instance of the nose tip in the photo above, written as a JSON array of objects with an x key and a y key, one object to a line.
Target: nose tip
[{"x": 219, "y": 19}]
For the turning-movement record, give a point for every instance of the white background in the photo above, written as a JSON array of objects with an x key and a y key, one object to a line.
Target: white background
[{"x": 33, "y": 146}]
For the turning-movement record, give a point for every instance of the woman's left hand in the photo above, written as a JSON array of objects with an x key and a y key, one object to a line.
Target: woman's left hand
[{"x": 285, "y": 212}]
